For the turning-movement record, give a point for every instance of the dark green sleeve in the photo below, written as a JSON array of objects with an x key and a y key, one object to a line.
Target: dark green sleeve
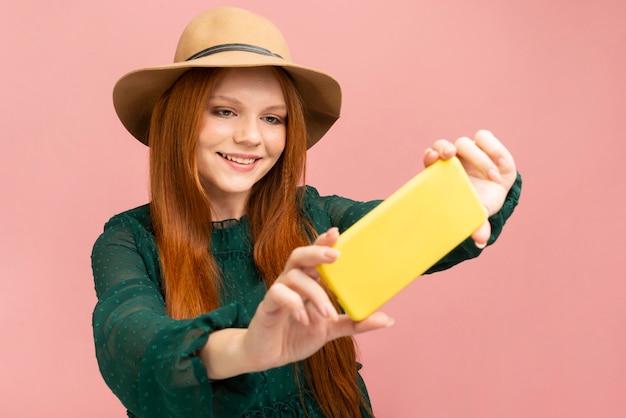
[
  {"x": 468, "y": 249},
  {"x": 146, "y": 357}
]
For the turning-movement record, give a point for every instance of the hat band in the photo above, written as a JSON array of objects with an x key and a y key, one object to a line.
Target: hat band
[{"x": 232, "y": 47}]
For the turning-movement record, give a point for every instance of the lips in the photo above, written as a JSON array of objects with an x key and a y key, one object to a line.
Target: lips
[{"x": 239, "y": 159}]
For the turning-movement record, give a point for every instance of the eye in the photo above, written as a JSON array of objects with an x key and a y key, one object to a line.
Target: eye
[
  {"x": 273, "y": 120},
  {"x": 223, "y": 112}
]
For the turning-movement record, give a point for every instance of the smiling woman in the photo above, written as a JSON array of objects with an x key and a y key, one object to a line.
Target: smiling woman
[
  {"x": 209, "y": 301},
  {"x": 242, "y": 136}
]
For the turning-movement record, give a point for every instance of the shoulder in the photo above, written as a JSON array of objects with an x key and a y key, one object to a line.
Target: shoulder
[
  {"x": 334, "y": 210},
  {"x": 136, "y": 217},
  {"x": 313, "y": 197},
  {"x": 126, "y": 249},
  {"x": 310, "y": 193},
  {"x": 131, "y": 227},
  {"x": 312, "y": 201}
]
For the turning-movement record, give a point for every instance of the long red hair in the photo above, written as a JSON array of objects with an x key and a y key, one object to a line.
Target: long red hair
[{"x": 181, "y": 216}]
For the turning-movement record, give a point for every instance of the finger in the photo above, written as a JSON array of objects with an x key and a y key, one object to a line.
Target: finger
[
  {"x": 328, "y": 238},
  {"x": 430, "y": 156},
  {"x": 309, "y": 290},
  {"x": 317, "y": 317},
  {"x": 494, "y": 148},
  {"x": 441, "y": 149},
  {"x": 311, "y": 256},
  {"x": 474, "y": 157},
  {"x": 345, "y": 326},
  {"x": 377, "y": 320},
  {"x": 491, "y": 145},
  {"x": 280, "y": 301},
  {"x": 444, "y": 148},
  {"x": 481, "y": 235}
]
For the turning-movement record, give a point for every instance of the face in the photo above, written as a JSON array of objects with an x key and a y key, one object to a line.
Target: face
[{"x": 242, "y": 134}]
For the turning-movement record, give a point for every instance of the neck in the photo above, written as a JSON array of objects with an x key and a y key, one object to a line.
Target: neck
[{"x": 228, "y": 206}]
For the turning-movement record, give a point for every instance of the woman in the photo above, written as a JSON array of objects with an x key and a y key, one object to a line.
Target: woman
[{"x": 209, "y": 304}]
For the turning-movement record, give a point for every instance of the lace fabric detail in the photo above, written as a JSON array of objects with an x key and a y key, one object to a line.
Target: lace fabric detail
[
  {"x": 229, "y": 223},
  {"x": 295, "y": 406}
]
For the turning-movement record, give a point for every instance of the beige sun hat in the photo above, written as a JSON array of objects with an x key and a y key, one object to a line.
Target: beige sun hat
[{"x": 227, "y": 37}]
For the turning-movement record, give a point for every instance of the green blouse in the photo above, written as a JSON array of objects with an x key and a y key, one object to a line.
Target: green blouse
[{"x": 147, "y": 358}]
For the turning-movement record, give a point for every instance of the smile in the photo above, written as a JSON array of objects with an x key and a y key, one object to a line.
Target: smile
[{"x": 238, "y": 160}]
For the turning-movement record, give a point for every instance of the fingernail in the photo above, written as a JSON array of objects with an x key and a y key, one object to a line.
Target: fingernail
[
  {"x": 390, "y": 322},
  {"x": 331, "y": 253},
  {"x": 480, "y": 245},
  {"x": 302, "y": 316},
  {"x": 329, "y": 310},
  {"x": 494, "y": 174}
]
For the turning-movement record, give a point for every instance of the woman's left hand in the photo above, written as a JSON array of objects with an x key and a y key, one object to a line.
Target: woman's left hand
[{"x": 489, "y": 165}]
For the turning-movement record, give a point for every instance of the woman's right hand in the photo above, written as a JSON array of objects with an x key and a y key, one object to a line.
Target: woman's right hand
[
  {"x": 296, "y": 317},
  {"x": 293, "y": 321}
]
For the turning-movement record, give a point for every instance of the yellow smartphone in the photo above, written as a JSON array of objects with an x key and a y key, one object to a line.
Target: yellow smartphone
[{"x": 403, "y": 237}]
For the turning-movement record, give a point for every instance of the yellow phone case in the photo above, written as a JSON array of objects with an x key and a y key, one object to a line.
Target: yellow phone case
[{"x": 403, "y": 237}]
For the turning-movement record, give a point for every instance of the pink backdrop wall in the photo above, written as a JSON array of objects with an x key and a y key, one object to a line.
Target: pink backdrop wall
[{"x": 534, "y": 328}]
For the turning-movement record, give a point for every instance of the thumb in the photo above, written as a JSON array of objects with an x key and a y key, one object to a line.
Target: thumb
[
  {"x": 328, "y": 238},
  {"x": 481, "y": 235}
]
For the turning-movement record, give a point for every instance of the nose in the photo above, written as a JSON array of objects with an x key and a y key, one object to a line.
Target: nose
[{"x": 248, "y": 132}]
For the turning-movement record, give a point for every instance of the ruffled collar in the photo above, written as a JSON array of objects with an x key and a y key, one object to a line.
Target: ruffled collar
[{"x": 230, "y": 223}]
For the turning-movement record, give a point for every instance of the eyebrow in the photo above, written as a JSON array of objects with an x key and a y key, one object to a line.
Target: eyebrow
[{"x": 226, "y": 98}]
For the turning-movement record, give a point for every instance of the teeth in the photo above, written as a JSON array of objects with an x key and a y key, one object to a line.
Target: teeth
[{"x": 239, "y": 159}]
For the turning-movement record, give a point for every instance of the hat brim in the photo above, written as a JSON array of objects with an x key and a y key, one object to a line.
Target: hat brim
[{"x": 136, "y": 93}]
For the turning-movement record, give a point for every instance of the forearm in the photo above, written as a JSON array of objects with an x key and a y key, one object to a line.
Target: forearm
[{"x": 224, "y": 356}]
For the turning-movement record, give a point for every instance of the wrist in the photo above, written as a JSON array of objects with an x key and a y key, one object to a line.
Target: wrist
[{"x": 224, "y": 354}]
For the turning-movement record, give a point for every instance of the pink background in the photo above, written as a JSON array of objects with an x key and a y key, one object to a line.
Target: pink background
[{"x": 536, "y": 327}]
